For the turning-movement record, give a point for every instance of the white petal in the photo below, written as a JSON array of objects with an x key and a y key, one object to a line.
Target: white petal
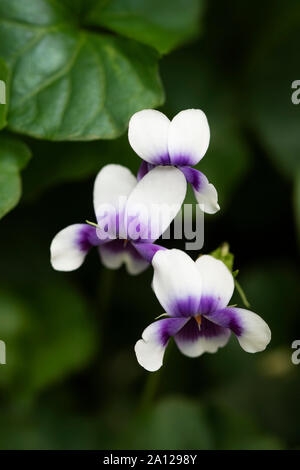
[
  {"x": 151, "y": 348},
  {"x": 188, "y": 137},
  {"x": 205, "y": 192},
  {"x": 70, "y": 246},
  {"x": 202, "y": 345},
  {"x": 217, "y": 283},
  {"x": 176, "y": 282},
  {"x": 148, "y": 135},
  {"x": 250, "y": 329},
  {"x": 256, "y": 334},
  {"x": 155, "y": 202},
  {"x": 207, "y": 198},
  {"x": 113, "y": 254},
  {"x": 209, "y": 339},
  {"x": 112, "y": 186}
]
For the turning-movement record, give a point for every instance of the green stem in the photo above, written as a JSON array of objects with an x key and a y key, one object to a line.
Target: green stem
[
  {"x": 149, "y": 391},
  {"x": 242, "y": 294},
  {"x": 105, "y": 290},
  {"x": 104, "y": 295},
  {"x": 152, "y": 383}
]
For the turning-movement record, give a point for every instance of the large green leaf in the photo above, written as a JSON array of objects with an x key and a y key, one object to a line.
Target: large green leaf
[
  {"x": 161, "y": 24},
  {"x": 68, "y": 83},
  {"x": 3, "y": 93},
  {"x": 14, "y": 156}
]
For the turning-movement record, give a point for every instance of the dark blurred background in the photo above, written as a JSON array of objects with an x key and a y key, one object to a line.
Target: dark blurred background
[{"x": 71, "y": 378}]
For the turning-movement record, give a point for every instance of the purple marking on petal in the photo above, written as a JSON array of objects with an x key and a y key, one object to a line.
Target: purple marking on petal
[
  {"x": 169, "y": 327},
  {"x": 130, "y": 247},
  {"x": 145, "y": 167},
  {"x": 227, "y": 318},
  {"x": 208, "y": 304},
  {"x": 181, "y": 160},
  {"x": 186, "y": 307},
  {"x": 162, "y": 160},
  {"x": 147, "y": 250},
  {"x": 194, "y": 177},
  {"x": 191, "y": 331},
  {"x": 87, "y": 237},
  {"x": 115, "y": 246},
  {"x": 119, "y": 245}
]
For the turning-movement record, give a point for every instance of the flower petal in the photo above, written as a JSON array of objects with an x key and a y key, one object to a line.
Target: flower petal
[
  {"x": 154, "y": 203},
  {"x": 114, "y": 253},
  {"x": 147, "y": 250},
  {"x": 205, "y": 192},
  {"x": 151, "y": 348},
  {"x": 112, "y": 187},
  {"x": 148, "y": 136},
  {"x": 251, "y": 330},
  {"x": 144, "y": 169},
  {"x": 188, "y": 137},
  {"x": 217, "y": 283},
  {"x": 176, "y": 282},
  {"x": 207, "y": 197},
  {"x": 193, "y": 342},
  {"x": 70, "y": 246}
]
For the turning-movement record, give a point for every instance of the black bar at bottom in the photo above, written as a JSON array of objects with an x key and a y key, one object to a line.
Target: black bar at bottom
[{"x": 134, "y": 458}]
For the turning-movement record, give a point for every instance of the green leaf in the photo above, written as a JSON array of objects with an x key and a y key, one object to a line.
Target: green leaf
[
  {"x": 3, "y": 93},
  {"x": 173, "y": 423},
  {"x": 14, "y": 155},
  {"x": 68, "y": 83},
  {"x": 160, "y": 24}
]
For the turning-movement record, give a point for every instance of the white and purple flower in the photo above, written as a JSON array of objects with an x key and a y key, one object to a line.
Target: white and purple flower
[
  {"x": 195, "y": 296},
  {"x": 181, "y": 142},
  {"x": 130, "y": 215}
]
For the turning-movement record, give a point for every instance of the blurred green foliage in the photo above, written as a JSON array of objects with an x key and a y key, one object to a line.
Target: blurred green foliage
[
  {"x": 14, "y": 156},
  {"x": 71, "y": 378},
  {"x": 63, "y": 343},
  {"x": 3, "y": 98}
]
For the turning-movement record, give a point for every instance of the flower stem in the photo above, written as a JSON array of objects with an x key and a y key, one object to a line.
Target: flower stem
[
  {"x": 152, "y": 383},
  {"x": 149, "y": 391},
  {"x": 242, "y": 294}
]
